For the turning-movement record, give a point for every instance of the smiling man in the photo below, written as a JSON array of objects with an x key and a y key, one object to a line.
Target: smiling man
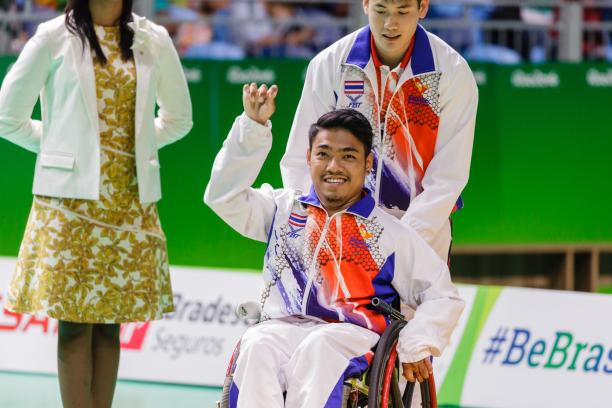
[
  {"x": 329, "y": 252},
  {"x": 336, "y": 158},
  {"x": 420, "y": 97}
]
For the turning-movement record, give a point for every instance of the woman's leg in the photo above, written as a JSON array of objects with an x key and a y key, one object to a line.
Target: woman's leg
[
  {"x": 74, "y": 364},
  {"x": 105, "y": 363}
]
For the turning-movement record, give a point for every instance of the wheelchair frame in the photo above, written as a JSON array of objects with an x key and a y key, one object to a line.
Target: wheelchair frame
[{"x": 379, "y": 386}]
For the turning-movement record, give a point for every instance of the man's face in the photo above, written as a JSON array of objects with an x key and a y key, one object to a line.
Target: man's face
[
  {"x": 393, "y": 24},
  {"x": 338, "y": 166}
]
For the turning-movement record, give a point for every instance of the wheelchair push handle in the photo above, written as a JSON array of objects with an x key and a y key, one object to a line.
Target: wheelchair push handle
[{"x": 384, "y": 308}]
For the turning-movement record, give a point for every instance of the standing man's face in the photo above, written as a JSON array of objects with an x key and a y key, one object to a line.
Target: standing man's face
[
  {"x": 338, "y": 167},
  {"x": 393, "y": 24}
]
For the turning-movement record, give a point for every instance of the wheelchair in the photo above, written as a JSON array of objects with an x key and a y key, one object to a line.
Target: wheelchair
[{"x": 379, "y": 387}]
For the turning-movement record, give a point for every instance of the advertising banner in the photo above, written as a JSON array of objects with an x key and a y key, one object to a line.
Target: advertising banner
[
  {"x": 193, "y": 345},
  {"x": 532, "y": 348}
]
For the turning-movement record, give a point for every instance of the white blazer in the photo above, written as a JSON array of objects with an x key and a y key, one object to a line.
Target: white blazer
[{"x": 55, "y": 65}]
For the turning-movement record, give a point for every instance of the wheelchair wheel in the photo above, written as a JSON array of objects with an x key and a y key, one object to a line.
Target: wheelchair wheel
[
  {"x": 384, "y": 390},
  {"x": 229, "y": 376},
  {"x": 224, "y": 402}
]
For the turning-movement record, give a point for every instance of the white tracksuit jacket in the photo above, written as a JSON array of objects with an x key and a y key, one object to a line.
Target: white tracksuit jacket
[
  {"x": 327, "y": 269},
  {"x": 422, "y": 148}
]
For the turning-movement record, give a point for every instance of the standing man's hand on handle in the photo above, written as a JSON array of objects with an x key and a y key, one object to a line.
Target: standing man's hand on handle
[{"x": 259, "y": 103}]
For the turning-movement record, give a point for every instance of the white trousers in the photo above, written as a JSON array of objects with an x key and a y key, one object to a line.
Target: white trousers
[{"x": 307, "y": 359}]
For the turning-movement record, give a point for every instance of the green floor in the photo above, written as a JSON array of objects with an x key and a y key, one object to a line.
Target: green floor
[{"x": 19, "y": 390}]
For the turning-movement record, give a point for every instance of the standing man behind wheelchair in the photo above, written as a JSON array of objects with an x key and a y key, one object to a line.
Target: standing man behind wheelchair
[
  {"x": 329, "y": 253},
  {"x": 420, "y": 97}
]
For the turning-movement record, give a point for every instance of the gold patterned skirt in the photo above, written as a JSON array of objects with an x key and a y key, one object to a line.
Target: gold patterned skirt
[{"x": 94, "y": 261}]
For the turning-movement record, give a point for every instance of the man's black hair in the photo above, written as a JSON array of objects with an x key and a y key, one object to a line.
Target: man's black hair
[{"x": 347, "y": 119}]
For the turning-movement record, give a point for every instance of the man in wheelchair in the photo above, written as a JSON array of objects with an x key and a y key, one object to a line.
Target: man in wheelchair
[{"x": 330, "y": 251}]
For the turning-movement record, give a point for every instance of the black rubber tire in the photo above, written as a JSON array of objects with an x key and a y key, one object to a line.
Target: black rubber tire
[
  {"x": 425, "y": 397},
  {"x": 381, "y": 357}
]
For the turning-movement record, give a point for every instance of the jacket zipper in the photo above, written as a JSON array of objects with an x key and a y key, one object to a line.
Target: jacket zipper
[
  {"x": 381, "y": 128},
  {"x": 313, "y": 264}
]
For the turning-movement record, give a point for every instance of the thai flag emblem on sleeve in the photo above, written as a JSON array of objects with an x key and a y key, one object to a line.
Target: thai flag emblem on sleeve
[
  {"x": 296, "y": 224},
  {"x": 353, "y": 87}
]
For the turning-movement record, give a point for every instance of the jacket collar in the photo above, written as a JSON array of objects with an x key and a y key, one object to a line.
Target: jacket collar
[
  {"x": 422, "y": 59},
  {"x": 362, "y": 208},
  {"x": 360, "y": 52}
]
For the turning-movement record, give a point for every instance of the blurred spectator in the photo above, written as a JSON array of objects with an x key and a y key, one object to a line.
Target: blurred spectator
[
  {"x": 192, "y": 34},
  {"x": 606, "y": 16},
  {"x": 220, "y": 12},
  {"x": 201, "y": 37},
  {"x": 12, "y": 34},
  {"x": 458, "y": 39},
  {"x": 327, "y": 31},
  {"x": 266, "y": 28},
  {"x": 471, "y": 41},
  {"x": 339, "y": 10},
  {"x": 509, "y": 38},
  {"x": 233, "y": 29},
  {"x": 250, "y": 22},
  {"x": 184, "y": 10},
  {"x": 594, "y": 44},
  {"x": 292, "y": 36},
  {"x": 49, "y": 5},
  {"x": 287, "y": 38}
]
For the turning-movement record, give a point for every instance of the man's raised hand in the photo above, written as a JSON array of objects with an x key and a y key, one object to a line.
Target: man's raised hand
[{"x": 259, "y": 103}]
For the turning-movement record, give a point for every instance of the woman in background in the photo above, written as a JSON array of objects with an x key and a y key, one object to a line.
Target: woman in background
[{"x": 94, "y": 254}]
